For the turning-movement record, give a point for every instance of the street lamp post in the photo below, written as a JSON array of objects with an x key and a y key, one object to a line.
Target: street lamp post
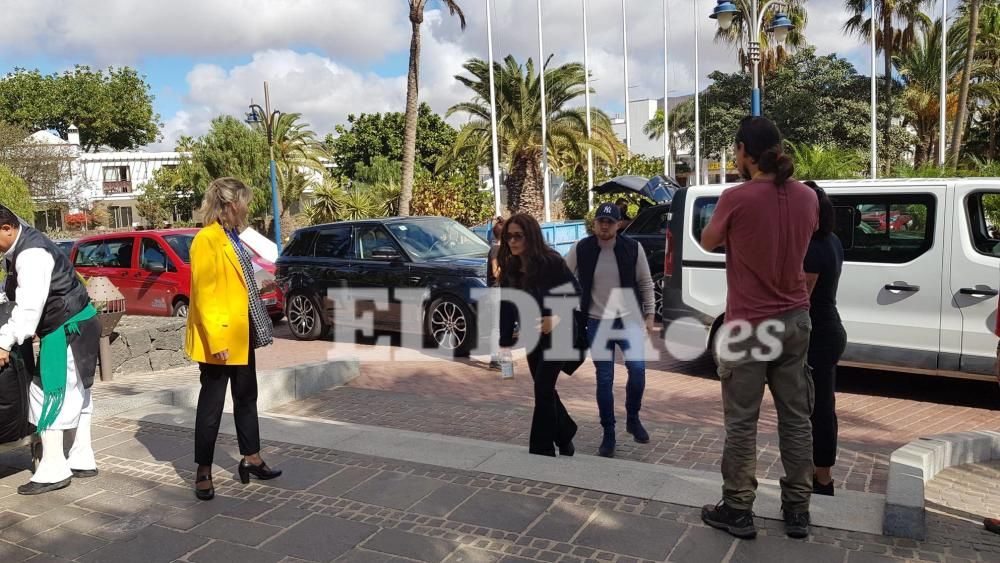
[
  {"x": 725, "y": 12},
  {"x": 268, "y": 118}
]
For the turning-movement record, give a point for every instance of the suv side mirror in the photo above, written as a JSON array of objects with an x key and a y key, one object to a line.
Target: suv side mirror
[{"x": 386, "y": 253}]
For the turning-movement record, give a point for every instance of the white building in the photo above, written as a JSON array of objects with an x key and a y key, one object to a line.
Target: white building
[{"x": 112, "y": 178}]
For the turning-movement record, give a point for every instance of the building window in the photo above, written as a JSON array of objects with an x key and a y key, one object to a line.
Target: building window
[
  {"x": 120, "y": 217},
  {"x": 49, "y": 220},
  {"x": 116, "y": 174}
]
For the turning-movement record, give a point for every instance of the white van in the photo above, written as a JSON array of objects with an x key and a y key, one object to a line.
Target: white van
[{"x": 920, "y": 278}]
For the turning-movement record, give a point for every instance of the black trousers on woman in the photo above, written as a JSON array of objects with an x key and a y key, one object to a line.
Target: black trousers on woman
[
  {"x": 551, "y": 425},
  {"x": 214, "y": 380},
  {"x": 826, "y": 345}
]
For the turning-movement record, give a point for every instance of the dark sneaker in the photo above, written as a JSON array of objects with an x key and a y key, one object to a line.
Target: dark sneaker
[
  {"x": 992, "y": 525},
  {"x": 737, "y": 522},
  {"x": 634, "y": 427},
  {"x": 607, "y": 448},
  {"x": 796, "y": 524},
  {"x": 821, "y": 489}
]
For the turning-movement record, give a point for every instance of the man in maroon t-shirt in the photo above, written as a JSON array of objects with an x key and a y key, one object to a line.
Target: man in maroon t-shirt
[{"x": 765, "y": 226}]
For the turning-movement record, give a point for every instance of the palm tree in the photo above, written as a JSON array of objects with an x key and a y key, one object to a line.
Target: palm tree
[
  {"x": 738, "y": 35},
  {"x": 519, "y": 125},
  {"x": 825, "y": 163},
  {"x": 299, "y": 156},
  {"x": 328, "y": 203},
  {"x": 958, "y": 129},
  {"x": 412, "y": 85},
  {"x": 899, "y": 20},
  {"x": 920, "y": 70},
  {"x": 681, "y": 118}
]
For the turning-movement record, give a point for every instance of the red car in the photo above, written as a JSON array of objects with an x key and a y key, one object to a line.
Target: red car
[
  {"x": 875, "y": 216},
  {"x": 152, "y": 270}
]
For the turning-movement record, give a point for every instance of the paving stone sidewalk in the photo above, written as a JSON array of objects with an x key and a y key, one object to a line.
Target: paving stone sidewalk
[
  {"x": 331, "y": 506},
  {"x": 671, "y": 443},
  {"x": 970, "y": 492}
]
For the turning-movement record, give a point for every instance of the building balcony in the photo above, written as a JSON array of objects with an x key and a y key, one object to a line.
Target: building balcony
[{"x": 117, "y": 187}]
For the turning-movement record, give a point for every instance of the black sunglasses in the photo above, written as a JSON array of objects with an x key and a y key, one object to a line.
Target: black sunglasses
[{"x": 514, "y": 236}]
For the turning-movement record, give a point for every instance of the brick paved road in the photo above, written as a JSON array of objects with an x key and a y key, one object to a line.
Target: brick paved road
[
  {"x": 334, "y": 506},
  {"x": 878, "y": 411},
  {"x": 968, "y": 491}
]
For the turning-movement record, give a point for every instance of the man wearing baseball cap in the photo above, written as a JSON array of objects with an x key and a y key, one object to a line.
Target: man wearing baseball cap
[{"x": 617, "y": 296}]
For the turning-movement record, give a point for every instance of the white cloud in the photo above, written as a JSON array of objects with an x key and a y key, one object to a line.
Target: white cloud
[
  {"x": 126, "y": 31},
  {"x": 315, "y": 53}
]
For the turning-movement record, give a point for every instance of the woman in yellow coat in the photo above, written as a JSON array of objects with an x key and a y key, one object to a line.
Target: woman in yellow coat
[{"x": 226, "y": 322}]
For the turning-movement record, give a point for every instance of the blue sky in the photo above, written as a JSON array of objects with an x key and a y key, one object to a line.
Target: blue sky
[{"x": 329, "y": 58}]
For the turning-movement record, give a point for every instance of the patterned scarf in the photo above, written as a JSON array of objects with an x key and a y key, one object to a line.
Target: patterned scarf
[{"x": 261, "y": 326}]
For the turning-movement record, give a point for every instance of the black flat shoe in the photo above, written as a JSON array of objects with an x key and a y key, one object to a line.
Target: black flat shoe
[
  {"x": 84, "y": 473},
  {"x": 545, "y": 453},
  {"x": 262, "y": 471},
  {"x": 204, "y": 494},
  {"x": 33, "y": 488},
  {"x": 567, "y": 449},
  {"x": 821, "y": 489}
]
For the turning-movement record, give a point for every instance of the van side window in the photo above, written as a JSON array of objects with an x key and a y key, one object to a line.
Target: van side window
[
  {"x": 983, "y": 210},
  {"x": 886, "y": 228},
  {"x": 704, "y": 207}
]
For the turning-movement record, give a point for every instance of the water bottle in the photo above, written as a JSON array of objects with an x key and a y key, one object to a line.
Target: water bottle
[{"x": 506, "y": 365}]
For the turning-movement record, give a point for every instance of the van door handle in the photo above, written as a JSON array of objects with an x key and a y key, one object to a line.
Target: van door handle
[
  {"x": 901, "y": 287},
  {"x": 976, "y": 292}
]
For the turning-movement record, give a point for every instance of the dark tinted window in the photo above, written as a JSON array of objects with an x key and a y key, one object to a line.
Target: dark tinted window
[
  {"x": 107, "y": 253},
  {"x": 181, "y": 245},
  {"x": 889, "y": 228},
  {"x": 651, "y": 222},
  {"x": 333, "y": 243},
  {"x": 983, "y": 211},
  {"x": 300, "y": 245}
]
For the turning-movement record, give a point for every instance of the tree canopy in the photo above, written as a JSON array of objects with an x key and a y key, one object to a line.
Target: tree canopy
[{"x": 112, "y": 107}]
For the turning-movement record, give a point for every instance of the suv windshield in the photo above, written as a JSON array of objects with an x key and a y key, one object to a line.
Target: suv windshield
[
  {"x": 427, "y": 239},
  {"x": 181, "y": 244}
]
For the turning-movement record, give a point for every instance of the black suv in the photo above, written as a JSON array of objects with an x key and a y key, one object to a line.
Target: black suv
[
  {"x": 650, "y": 228},
  {"x": 436, "y": 254}
]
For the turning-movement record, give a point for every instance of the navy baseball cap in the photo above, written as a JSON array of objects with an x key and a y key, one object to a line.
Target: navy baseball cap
[{"x": 608, "y": 211}]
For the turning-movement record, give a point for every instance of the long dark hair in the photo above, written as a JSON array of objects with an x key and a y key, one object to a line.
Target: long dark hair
[
  {"x": 761, "y": 140},
  {"x": 530, "y": 261},
  {"x": 827, "y": 218}
]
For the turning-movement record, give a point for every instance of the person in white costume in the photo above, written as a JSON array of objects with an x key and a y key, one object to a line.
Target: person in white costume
[{"x": 50, "y": 301}]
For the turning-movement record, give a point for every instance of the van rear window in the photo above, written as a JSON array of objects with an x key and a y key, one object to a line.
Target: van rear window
[{"x": 704, "y": 207}]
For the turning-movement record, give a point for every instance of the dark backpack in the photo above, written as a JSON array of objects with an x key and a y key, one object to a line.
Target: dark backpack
[{"x": 14, "y": 380}]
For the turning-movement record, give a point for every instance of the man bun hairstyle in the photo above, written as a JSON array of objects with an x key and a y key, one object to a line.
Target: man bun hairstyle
[{"x": 762, "y": 141}]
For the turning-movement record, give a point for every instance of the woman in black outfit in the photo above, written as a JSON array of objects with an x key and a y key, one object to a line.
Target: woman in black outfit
[
  {"x": 528, "y": 264},
  {"x": 823, "y": 264}
]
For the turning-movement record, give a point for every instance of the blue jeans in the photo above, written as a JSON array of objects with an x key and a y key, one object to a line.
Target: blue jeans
[{"x": 632, "y": 344}]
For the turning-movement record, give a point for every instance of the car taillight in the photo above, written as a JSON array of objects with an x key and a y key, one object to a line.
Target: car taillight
[{"x": 668, "y": 261}]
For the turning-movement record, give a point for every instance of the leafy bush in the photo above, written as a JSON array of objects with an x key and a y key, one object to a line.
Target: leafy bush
[
  {"x": 15, "y": 195},
  {"x": 813, "y": 162},
  {"x": 462, "y": 202}
]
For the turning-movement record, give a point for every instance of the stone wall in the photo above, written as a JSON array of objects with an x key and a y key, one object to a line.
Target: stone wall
[{"x": 145, "y": 344}]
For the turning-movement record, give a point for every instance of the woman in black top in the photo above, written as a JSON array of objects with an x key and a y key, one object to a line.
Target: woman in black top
[
  {"x": 529, "y": 265},
  {"x": 823, "y": 264}
]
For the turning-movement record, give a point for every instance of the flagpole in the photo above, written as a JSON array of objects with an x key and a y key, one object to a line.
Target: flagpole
[
  {"x": 628, "y": 120},
  {"x": 666, "y": 97},
  {"x": 944, "y": 82},
  {"x": 545, "y": 147},
  {"x": 697, "y": 98},
  {"x": 874, "y": 139},
  {"x": 590, "y": 152},
  {"x": 493, "y": 115}
]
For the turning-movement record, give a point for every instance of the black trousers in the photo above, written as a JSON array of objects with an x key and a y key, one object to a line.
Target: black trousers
[
  {"x": 551, "y": 424},
  {"x": 212, "y": 398},
  {"x": 826, "y": 345}
]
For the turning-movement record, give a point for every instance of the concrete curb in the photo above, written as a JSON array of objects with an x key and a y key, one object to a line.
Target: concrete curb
[
  {"x": 849, "y": 510},
  {"x": 274, "y": 387},
  {"x": 916, "y": 463}
]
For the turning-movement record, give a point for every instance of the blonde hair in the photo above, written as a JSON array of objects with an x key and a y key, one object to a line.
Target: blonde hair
[{"x": 221, "y": 198}]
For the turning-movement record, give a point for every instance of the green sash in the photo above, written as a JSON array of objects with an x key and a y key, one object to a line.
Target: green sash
[{"x": 53, "y": 360}]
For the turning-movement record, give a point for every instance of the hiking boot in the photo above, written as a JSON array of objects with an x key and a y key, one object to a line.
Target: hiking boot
[
  {"x": 796, "y": 524},
  {"x": 738, "y": 523},
  {"x": 607, "y": 448},
  {"x": 634, "y": 427}
]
